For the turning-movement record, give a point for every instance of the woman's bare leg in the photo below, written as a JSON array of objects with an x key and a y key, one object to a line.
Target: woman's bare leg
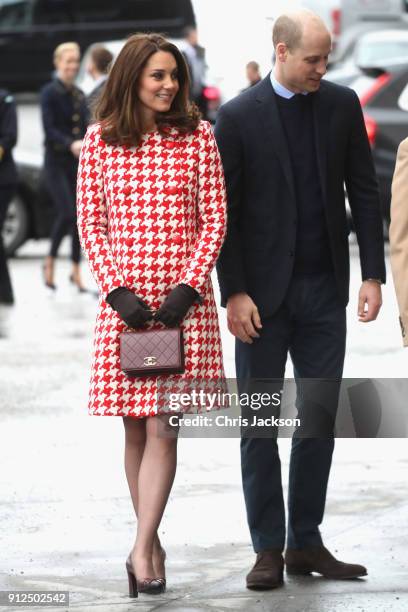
[
  {"x": 155, "y": 479},
  {"x": 135, "y": 441}
]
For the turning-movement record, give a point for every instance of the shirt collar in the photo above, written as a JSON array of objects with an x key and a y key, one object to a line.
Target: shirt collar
[{"x": 281, "y": 90}]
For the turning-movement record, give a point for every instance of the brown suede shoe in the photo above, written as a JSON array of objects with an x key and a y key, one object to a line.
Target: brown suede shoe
[
  {"x": 319, "y": 559},
  {"x": 267, "y": 572}
]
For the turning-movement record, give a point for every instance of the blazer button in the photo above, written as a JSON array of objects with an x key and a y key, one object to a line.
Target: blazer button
[
  {"x": 178, "y": 239},
  {"x": 169, "y": 145},
  {"x": 129, "y": 242},
  {"x": 172, "y": 190},
  {"x": 291, "y": 253},
  {"x": 127, "y": 190}
]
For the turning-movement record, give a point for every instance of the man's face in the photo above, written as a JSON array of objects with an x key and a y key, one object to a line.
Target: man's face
[{"x": 304, "y": 67}]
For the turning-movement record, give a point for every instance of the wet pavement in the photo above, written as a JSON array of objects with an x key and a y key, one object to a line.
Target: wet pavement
[{"x": 67, "y": 521}]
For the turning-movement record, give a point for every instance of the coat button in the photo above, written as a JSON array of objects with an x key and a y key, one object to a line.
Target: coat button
[
  {"x": 127, "y": 190},
  {"x": 291, "y": 253},
  {"x": 169, "y": 145},
  {"x": 129, "y": 242},
  {"x": 178, "y": 239},
  {"x": 172, "y": 190}
]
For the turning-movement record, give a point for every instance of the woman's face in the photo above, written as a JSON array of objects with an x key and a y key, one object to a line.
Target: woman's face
[
  {"x": 67, "y": 65},
  {"x": 158, "y": 83}
]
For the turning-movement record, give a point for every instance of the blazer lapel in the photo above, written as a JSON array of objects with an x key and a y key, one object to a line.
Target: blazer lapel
[
  {"x": 321, "y": 115},
  {"x": 274, "y": 134}
]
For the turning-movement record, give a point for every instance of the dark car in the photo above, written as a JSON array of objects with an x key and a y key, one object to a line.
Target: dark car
[
  {"x": 31, "y": 29},
  {"x": 383, "y": 93},
  {"x": 31, "y": 212}
]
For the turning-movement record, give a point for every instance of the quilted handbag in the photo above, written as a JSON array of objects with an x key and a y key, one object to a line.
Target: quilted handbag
[{"x": 152, "y": 351}]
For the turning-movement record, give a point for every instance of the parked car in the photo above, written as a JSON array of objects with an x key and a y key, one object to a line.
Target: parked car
[
  {"x": 382, "y": 47},
  {"x": 31, "y": 29},
  {"x": 342, "y": 15},
  {"x": 383, "y": 93},
  {"x": 348, "y": 41},
  {"x": 31, "y": 212}
]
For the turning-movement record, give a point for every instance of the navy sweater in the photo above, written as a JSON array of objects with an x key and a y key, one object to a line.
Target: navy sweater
[{"x": 312, "y": 254}]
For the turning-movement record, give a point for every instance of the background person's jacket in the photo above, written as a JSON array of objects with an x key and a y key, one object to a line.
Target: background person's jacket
[{"x": 65, "y": 115}]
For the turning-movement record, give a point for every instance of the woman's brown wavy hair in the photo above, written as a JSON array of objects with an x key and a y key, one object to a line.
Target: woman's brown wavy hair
[{"x": 118, "y": 109}]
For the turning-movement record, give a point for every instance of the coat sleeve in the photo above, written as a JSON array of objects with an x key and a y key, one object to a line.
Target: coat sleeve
[
  {"x": 362, "y": 189},
  {"x": 211, "y": 213},
  {"x": 230, "y": 265},
  {"x": 93, "y": 225},
  {"x": 399, "y": 235}
]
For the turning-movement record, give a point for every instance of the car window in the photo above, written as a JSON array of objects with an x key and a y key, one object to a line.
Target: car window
[
  {"x": 14, "y": 14},
  {"x": 369, "y": 54}
]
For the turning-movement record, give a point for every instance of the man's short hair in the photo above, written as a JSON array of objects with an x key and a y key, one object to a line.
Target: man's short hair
[
  {"x": 101, "y": 57},
  {"x": 287, "y": 30}
]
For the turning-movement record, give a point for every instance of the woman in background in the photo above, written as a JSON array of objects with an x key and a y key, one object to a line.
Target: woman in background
[{"x": 65, "y": 118}]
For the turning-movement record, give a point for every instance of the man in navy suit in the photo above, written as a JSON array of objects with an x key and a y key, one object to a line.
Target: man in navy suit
[{"x": 288, "y": 145}]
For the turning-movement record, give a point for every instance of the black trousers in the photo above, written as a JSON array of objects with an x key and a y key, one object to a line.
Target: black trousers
[
  {"x": 6, "y": 290},
  {"x": 61, "y": 176},
  {"x": 311, "y": 325}
]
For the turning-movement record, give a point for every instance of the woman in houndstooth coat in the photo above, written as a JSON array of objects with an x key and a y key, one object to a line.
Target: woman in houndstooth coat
[{"x": 151, "y": 219}]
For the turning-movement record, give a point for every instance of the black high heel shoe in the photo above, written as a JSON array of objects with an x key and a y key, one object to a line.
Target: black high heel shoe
[
  {"x": 153, "y": 586},
  {"x": 80, "y": 289},
  {"x": 46, "y": 282}
]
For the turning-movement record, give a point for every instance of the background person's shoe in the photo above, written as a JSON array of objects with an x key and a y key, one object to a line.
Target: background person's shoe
[
  {"x": 267, "y": 572},
  {"x": 318, "y": 559}
]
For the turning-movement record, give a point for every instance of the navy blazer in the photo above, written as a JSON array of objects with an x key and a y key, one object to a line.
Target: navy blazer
[
  {"x": 8, "y": 138},
  {"x": 257, "y": 256},
  {"x": 65, "y": 115}
]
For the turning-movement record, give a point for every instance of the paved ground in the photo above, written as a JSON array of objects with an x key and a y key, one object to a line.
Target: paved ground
[{"x": 67, "y": 521}]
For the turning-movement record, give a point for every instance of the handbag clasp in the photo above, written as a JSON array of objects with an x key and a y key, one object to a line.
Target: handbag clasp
[{"x": 151, "y": 360}]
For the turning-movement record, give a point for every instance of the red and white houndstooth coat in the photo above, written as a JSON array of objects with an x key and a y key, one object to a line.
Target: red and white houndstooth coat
[{"x": 150, "y": 217}]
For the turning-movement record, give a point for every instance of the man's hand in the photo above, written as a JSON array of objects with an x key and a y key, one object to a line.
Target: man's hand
[
  {"x": 370, "y": 295},
  {"x": 243, "y": 317}
]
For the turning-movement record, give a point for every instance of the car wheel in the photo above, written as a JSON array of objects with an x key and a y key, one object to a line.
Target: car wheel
[{"x": 15, "y": 228}]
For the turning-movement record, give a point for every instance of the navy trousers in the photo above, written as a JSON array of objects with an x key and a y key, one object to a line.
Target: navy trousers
[
  {"x": 311, "y": 326},
  {"x": 61, "y": 176}
]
